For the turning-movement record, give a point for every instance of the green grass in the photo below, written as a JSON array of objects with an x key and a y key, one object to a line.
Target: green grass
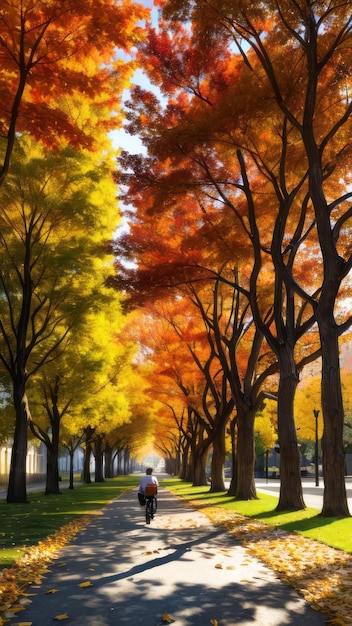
[
  {"x": 23, "y": 525},
  {"x": 334, "y": 532}
]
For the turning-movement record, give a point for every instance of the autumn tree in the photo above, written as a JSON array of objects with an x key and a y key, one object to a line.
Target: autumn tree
[
  {"x": 52, "y": 230},
  {"x": 176, "y": 346},
  {"x": 60, "y": 52},
  {"x": 214, "y": 134}
]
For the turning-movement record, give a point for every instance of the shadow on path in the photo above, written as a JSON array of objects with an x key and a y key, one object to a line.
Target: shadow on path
[{"x": 180, "y": 564}]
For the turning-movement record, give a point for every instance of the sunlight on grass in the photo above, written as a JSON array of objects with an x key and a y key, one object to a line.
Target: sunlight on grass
[
  {"x": 334, "y": 532},
  {"x": 23, "y": 525}
]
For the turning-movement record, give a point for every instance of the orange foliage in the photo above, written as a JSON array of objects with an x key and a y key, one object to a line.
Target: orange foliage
[{"x": 57, "y": 58}]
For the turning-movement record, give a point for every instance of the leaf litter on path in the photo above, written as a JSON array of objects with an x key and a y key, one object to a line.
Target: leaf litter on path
[{"x": 323, "y": 575}]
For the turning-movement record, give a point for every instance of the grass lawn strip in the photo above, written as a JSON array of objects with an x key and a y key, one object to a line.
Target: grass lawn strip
[
  {"x": 31, "y": 567},
  {"x": 320, "y": 572},
  {"x": 32, "y": 562},
  {"x": 323, "y": 575}
]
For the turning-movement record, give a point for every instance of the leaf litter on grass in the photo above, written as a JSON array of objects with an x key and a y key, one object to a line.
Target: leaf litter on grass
[
  {"x": 31, "y": 567},
  {"x": 323, "y": 575}
]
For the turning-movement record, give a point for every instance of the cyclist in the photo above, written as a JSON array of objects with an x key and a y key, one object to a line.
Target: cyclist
[{"x": 148, "y": 479}]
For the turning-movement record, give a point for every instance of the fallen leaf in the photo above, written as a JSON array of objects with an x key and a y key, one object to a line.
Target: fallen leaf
[
  {"x": 51, "y": 591},
  {"x": 214, "y": 622},
  {"x": 86, "y": 583},
  {"x": 15, "y": 609},
  {"x": 168, "y": 619},
  {"x": 61, "y": 617},
  {"x": 218, "y": 566}
]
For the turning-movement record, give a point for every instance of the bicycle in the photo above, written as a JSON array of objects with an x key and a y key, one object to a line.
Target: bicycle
[{"x": 151, "y": 503}]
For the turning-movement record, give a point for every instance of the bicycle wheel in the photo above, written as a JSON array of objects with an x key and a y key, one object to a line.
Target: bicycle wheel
[{"x": 148, "y": 513}]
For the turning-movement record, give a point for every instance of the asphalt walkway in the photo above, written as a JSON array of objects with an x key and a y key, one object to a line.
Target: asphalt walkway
[{"x": 180, "y": 567}]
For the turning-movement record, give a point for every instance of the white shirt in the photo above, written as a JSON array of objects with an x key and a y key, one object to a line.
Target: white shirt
[{"x": 147, "y": 480}]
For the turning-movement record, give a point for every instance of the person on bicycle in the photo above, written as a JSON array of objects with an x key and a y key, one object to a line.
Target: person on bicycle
[{"x": 148, "y": 479}]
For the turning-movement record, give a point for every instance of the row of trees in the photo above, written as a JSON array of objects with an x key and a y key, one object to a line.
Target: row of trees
[
  {"x": 64, "y": 371},
  {"x": 241, "y": 211}
]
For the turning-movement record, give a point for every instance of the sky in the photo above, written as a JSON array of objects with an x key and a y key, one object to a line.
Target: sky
[{"x": 121, "y": 139}]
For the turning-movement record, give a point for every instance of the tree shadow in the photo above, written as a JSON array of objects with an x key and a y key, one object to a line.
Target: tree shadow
[{"x": 138, "y": 572}]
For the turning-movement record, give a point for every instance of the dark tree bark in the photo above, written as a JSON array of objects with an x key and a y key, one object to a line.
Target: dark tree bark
[
  {"x": 17, "y": 492},
  {"x": 218, "y": 460},
  {"x": 233, "y": 483},
  {"x": 335, "y": 268},
  {"x": 335, "y": 503},
  {"x": 71, "y": 481},
  {"x": 98, "y": 454},
  {"x": 245, "y": 483},
  {"x": 199, "y": 466},
  {"x": 89, "y": 432},
  {"x": 291, "y": 494},
  {"x": 108, "y": 454}
]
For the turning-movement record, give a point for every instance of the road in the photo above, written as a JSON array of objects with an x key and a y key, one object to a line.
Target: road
[{"x": 313, "y": 496}]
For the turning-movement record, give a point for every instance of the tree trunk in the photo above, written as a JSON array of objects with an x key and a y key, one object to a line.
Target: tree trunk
[
  {"x": 218, "y": 461},
  {"x": 335, "y": 499},
  {"x": 335, "y": 502},
  {"x": 108, "y": 461},
  {"x": 291, "y": 494},
  {"x": 52, "y": 471},
  {"x": 86, "y": 478},
  {"x": 245, "y": 488},
  {"x": 17, "y": 492},
  {"x": 99, "y": 467},
  {"x": 185, "y": 472},
  {"x": 199, "y": 466},
  {"x": 52, "y": 465},
  {"x": 71, "y": 452},
  {"x": 119, "y": 463},
  {"x": 126, "y": 462},
  {"x": 233, "y": 484}
]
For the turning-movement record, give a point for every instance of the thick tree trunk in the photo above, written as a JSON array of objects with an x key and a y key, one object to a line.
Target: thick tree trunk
[
  {"x": 52, "y": 471},
  {"x": 126, "y": 462},
  {"x": 218, "y": 461},
  {"x": 335, "y": 502},
  {"x": 108, "y": 461},
  {"x": 233, "y": 484},
  {"x": 291, "y": 494},
  {"x": 17, "y": 492},
  {"x": 245, "y": 488},
  {"x": 99, "y": 467},
  {"x": 86, "y": 478},
  {"x": 185, "y": 472},
  {"x": 52, "y": 465},
  {"x": 199, "y": 466},
  {"x": 335, "y": 499}
]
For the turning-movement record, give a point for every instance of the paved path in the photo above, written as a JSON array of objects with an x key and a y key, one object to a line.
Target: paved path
[{"x": 180, "y": 564}]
